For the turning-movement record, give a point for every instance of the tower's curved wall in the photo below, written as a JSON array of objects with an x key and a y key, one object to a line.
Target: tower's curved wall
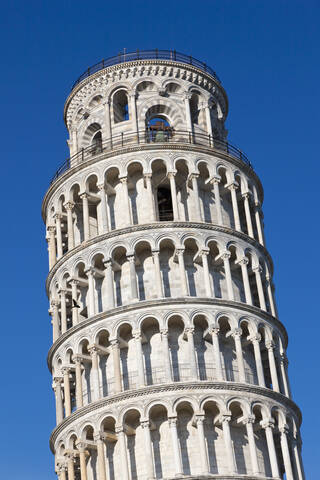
[{"x": 168, "y": 359}]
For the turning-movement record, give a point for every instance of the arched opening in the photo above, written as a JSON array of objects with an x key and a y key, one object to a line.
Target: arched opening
[
  {"x": 158, "y": 129},
  {"x": 152, "y": 350},
  {"x": 120, "y": 106},
  {"x": 261, "y": 442},
  {"x": 180, "y": 358},
  {"x": 97, "y": 143},
  {"x": 164, "y": 200},
  {"x": 162, "y": 448},
  {"x": 113, "y": 449}
]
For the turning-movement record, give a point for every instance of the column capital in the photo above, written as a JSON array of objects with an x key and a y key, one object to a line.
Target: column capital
[
  {"x": 123, "y": 179},
  {"x": 226, "y": 417},
  {"x": 145, "y": 424},
  {"x": 131, "y": 257},
  {"x": 284, "y": 430},
  {"x": 257, "y": 269},
  {"x": 236, "y": 332},
  {"x": 249, "y": 419},
  {"x": 114, "y": 342},
  {"x": 98, "y": 437},
  {"x": 214, "y": 330},
  {"x": 225, "y": 255},
  {"x": 155, "y": 253},
  {"x": 215, "y": 179},
  {"x": 84, "y": 195},
  {"x": 180, "y": 250},
  {"x": 77, "y": 359},
  {"x": 65, "y": 370},
  {"x": 119, "y": 429},
  {"x": 55, "y": 303},
  {"x": 270, "y": 345},
  {"x": 242, "y": 261},
  {"x": 200, "y": 418},
  {"x": 232, "y": 186},
  {"x": 255, "y": 338},
  {"x": 81, "y": 446},
  {"x": 89, "y": 271},
  {"x": 101, "y": 186},
  {"x": 171, "y": 174},
  {"x": 189, "y": 330},
  {"x": 205, "y": 251},
  {"x": 108, "y": 263},
  {"x": 284, "y": 359},
  {"x": 164, "y": 332},
  {"x": 93, "y": 349},
  {"x": 268, "y": 423},
  {"x": 73, "y": 281},
  {"x": 69, "y": 206},
  {"x": 187, "y": 96},
  {"x": 57, "y": 381},
  {"x": 194, "y": 175},
  {"x": 147, "y": 175},
  {"x": 51, "y": 229},
  {"x": 58, "y": 216},
  {"x": 246, "y": 194},
  {"x": 137, "y": 335},
  {"x": 172, "y": 421}
]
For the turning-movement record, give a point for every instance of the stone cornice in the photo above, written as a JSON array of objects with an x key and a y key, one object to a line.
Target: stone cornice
[
  {"x": 218, "y": 302},
  {"x": 157, "y": 226},
  {"x": 138, "y": 63},
  {"x": 147, "y": 147},
  {"x": 201, "y": 386}
]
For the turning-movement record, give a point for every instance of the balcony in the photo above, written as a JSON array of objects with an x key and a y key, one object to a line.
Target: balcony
[
  {"x": 155, "y": 54},
  {"x": 149, "y": 137}
]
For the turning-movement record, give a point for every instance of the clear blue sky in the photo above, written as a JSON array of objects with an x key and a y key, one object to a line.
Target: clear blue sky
[{"x": 267, "y": 55}]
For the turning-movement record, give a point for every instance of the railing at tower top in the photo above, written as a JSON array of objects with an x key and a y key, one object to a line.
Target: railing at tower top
[
  {"x": 145, "y": 137},
  {"x": 146, "y": 55}
]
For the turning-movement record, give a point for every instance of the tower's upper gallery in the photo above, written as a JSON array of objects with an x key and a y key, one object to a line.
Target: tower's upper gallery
[{"x": 162, "y": 91}]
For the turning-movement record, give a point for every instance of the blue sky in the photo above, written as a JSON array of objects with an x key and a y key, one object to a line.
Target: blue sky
[{"x": 267, "y": 56}]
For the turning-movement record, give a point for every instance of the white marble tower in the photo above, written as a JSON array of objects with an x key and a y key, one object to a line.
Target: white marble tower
[{"x": 168, "y": 358}]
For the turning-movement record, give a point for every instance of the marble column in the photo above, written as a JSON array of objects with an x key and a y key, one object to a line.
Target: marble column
[
  {"x": 58, "y": 218},
  {"x": 237, "y": 332},
  {"x": 69, "y": 206},
  {"x": 175, "y": 446},
  {"x": 207, "y": 109},
  {"x": 255, "y": 340},
  {"x": 52, "y": 246},
  {"x": 286, "y": 452},
  {"x": 139, "y": 358},
  {"x": 268, "y": 426},
  {"x": 166, "y": 355},
  {"x": 216, "y": 351},
  {"x": 126, "y": 200},
  {"x": 296, "y": 443},
  {"x": 55, "y": 319},
  {"x": 187, "y": 97},
  {"x": 272, "y": 364},
  {"x": 270, "y": 296},
  {"x": 228, "y": 444},
  {"x": 116, "y": 365},
  {"x": 123, "y": 453},
  {"x": 58, "y": 396},
  {"x": 70, "y": 466},
  {"x": 233, "y": 190},
  {"x": 206, "y": 274},
  {"x": 107, "y": 120},
  {"x": 109, "y": 283},
  {"x": 63, "y": 310},
  {"x": 183, "y": 278},
  {"x": 66, "y": 388},
  {"x": 148, "y": 455},
  {"x": 257, "y": 271},
  {"x": 171, "y": 176},
  {"x": 104, "y": 227},
  {"x": 148, "y": 180},
  {"x": 133, "y": 278},
  {"x": 243, "y": 262},
  {"x": 157, "y": 273},
  {"x": 215, "y": 182},
  {"x": 196, "y": 198},
  {"x": 134, "y": 117},
  {"x": 258, "y": 223},
  {"x": 246, "y": 202},
  {"x": 91, "y": 294},
  {"x": 93, "y": 351},
  {"x": 192, "y": 353},
  {"x": 75, "y": 307},
  {"x": 85, "y": 211},
  {"x": 102, "y": 475},
  {"x": 83, "y": 464},
  {"x": 284, "y": 374},
  {"x": 226, "y": 263},
  {"x": 79, "y": 392},
  {"x": 249, "y": 421},
  {"x": 202, "y": 444}
]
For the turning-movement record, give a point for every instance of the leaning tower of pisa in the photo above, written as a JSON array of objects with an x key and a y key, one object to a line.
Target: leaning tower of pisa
[{"x": 168, "y": 358}]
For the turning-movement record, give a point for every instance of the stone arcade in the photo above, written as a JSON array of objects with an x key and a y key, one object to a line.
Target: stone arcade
[{"x": 168, "y": 359}]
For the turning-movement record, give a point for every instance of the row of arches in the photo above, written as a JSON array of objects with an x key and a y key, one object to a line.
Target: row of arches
[
  {"x": 104, "y": 365},
  {"x": 182, "y": 439},
  {"x": 173, "y": 270},
  {"x": 118, "y": 201}
]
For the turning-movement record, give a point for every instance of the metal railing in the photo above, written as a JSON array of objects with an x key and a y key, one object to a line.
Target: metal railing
[
  {"x": 155, "y": 54},
  {"x": 145, "y": 137}
]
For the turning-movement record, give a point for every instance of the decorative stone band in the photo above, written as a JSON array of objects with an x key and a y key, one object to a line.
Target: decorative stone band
[
  {"x": 148, "y": 304},
  {"x": 158, "y": 226},
  {"x": 180, "y": 389}
]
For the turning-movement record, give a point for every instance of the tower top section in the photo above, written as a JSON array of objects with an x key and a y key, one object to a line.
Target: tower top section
[{"x": 155, "y": 54}]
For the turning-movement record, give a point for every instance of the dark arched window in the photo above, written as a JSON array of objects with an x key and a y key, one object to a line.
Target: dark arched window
[
  {"x": 97, "y": 142},
  {"x": 164, "y": 204},
  {"x": 194, "y": 108},
  {"x": 120, "y": 106}
]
